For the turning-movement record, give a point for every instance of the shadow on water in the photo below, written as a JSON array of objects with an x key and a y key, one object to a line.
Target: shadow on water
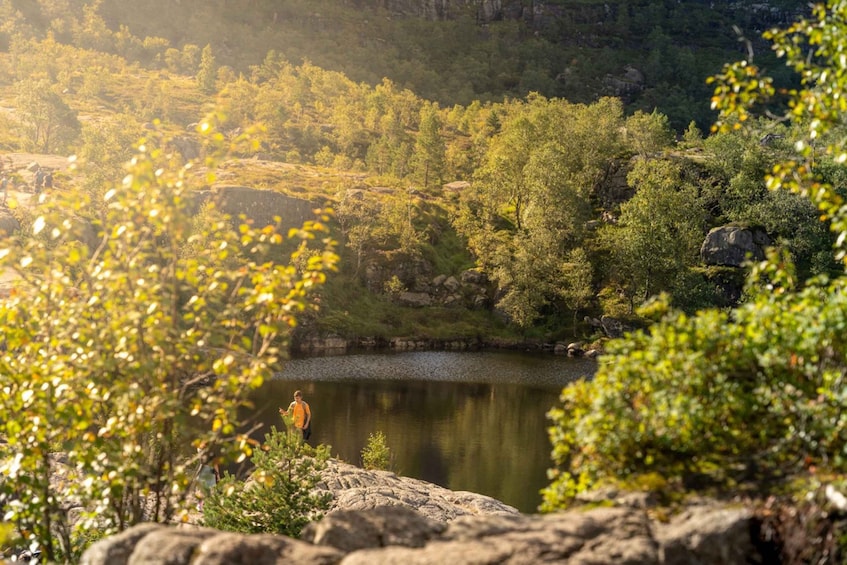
[{"x": 466, "y": 421}]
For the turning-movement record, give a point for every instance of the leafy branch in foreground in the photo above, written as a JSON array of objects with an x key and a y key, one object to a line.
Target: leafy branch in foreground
[
  {"x": 119, "y": 361},
  {"x": 756, "y": 393}
]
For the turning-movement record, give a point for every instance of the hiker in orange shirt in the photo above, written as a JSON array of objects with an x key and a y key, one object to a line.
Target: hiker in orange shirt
[{"x": 301, "y": 413}]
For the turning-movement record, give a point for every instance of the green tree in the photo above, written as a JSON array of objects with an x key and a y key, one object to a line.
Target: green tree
[
  {"x": 648, "y": 133},
  {"x": 105, "y": 149},
  {"x": 756, "y": 393},
  {"x": 739, "y": 163},
  {"x": 91, "y": 30},
  {"x": 207, "y": 72},
  {"x": 280, "y": 496},
  {"x": 128, "y": 355},
  {"x": 358, "y": 217},
  {"x": 429, "y": 155},
  {"x": 693, "y": 136},
  {"x": 659, "y": 231},
  {"x": 502, "y": 178},
  {"x": 376, "y": 454},
  {"x": 51, "y": 123},
  {"x": 577, "y": 277},
  {"x": 534, "y": 196}
]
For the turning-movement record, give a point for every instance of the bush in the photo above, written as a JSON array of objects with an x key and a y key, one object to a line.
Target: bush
[
  {"x": 280, "y": 495},
  {"x": 756, "y": 393},
  {"x": 376, "y": 454},
  {"x": 718, "y": 397}
]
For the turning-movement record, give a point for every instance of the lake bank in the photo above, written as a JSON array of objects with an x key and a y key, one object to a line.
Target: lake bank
[{"x": 337, "y": 345}]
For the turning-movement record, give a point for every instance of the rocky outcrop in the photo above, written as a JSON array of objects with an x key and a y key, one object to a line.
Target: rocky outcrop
[
  {"x": 624, "y": 85},
  {"x": 260, "y": 207},
  {"x": 418, "y": 288},
  {"x": 762, "y": 15},
  {"x": 413, "y": 273},
  {"x": 456, "y": 187},
  {"x": 353, "y": 488},
  {"x": 612, "y": 327},
  {"x": 157, "y": 544},
  {"x": 484, "y": 10},
  {"x": 8, "y": 223},
  {"x": 732, "y": 246},
  {"x": 706, "y": 535},
  {"x": 307, "y": 344},
  {"x": 576, "y": 349},
  {"x": 378, "y": 517}
]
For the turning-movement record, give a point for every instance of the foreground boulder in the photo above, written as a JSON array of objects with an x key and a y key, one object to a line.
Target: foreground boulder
[
  {"x": 378, "y": 517},
  {"x": 158, "y": 544},
  {"x": 388, "y": 535}
]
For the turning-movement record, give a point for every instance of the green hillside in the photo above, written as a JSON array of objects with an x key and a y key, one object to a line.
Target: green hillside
[
  {"x": 497, "y": 216},
  {"x": 654, "y": 54}
]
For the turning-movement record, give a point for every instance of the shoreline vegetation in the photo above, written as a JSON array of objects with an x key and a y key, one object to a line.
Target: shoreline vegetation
[{"x": 336, "y": 345}]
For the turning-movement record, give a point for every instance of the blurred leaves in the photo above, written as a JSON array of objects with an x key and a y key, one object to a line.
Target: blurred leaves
[{"x": 120, "y": 359}]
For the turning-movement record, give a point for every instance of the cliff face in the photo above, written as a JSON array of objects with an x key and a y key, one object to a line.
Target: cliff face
[
  {"x": 447, "y": 9},
  {"x": 537, "y": 13}
]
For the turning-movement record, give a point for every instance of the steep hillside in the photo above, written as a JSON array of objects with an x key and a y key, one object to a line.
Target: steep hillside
[
  {"x": 533, "y": 216},
  {"x": 652, "y": 53}
]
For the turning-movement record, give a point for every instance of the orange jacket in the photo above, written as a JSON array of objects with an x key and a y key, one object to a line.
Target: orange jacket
[{"x": 301, "y": 413}]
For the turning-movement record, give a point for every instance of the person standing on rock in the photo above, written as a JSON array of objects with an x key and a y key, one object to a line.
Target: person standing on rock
[
  {"x": 4, "y": 186},
  {"x": 39, "y": 180},
  {"x": 301, "y": 414},
  {"x": 208, "y": 475}
]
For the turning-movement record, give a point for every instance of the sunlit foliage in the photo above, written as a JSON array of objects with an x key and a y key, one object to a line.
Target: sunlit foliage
[
  {"x": 376, "y": 454},
  {"x": 758, "y": 392},
  {"x": 280, "y": 497},
  {"x": 121, "y": 357}
]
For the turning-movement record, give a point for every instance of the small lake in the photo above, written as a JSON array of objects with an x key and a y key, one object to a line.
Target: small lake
[{"x": 471, "y": 421}]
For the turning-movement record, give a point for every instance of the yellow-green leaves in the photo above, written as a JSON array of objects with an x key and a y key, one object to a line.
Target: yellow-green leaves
[
  {"x": 758, "y": 392},
  {"x": 126, "y": 355}
]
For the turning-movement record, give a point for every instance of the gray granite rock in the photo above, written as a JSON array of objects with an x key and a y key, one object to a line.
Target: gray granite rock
[
  {"x": 380, "y": 518},
  {"x": 358, "y": 489}
]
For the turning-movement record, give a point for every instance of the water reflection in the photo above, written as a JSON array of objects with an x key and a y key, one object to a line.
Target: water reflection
[{"x": 467, "y": 421}]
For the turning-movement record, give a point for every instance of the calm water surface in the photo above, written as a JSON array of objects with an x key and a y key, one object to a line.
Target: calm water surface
[{"x": 470, "y": 421}]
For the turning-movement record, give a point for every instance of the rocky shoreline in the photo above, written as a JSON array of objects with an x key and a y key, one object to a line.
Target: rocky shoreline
[{"x": 337, "y": 345}]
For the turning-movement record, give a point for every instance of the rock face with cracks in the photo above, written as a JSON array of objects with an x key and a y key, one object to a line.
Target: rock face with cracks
[{"x": 380, "y": 518}]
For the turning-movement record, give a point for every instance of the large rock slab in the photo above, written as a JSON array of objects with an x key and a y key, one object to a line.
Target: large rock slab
[
  {"x": 261, "y": 206},
  {"x": 348, "y": 530},
  {"x": 732, "y": 246},
  {"x": 358, "y": 489},
  {"x": 601, "y": 535},
  {"x": 707, "y": 534},
  {"x": 150, "y": 544}
]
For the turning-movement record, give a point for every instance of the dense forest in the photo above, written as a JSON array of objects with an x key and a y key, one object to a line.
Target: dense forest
[
  {"x": 555, "y": 203},
  {"x": 651, "y": 54}
]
